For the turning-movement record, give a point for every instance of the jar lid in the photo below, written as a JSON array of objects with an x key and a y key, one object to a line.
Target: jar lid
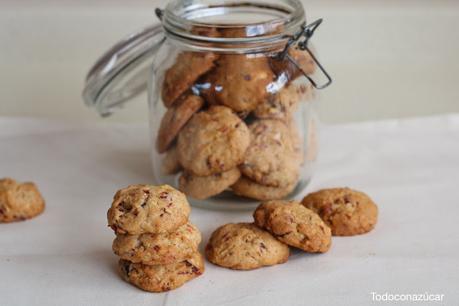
[{"x": 122, "y": 72}]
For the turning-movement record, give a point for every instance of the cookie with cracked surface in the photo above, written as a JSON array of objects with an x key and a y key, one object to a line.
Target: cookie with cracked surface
[
  {"x": 270, "y": 159},
  {"x": 239, "y": 82},
  {"x": 140, "y": 209},
  {"x": 19, "y": 201},
  {"x": 291, "y": 71},
  {"x": 175, "y": 118},
  {"x": 244, "y": 246},
  {"x": 247, "y": 188},
  {"x": 160, "y": 278},
  {"x": 213, "y": 141},
  {"x": 203, "y": 187},
  {"x": 158, "y": 249},
  {"x": 294, "y": 224},
  {"x": 179, "y": 78},
  {"x": 347, "y": 212},
  {"x": 170, "y": 163}
]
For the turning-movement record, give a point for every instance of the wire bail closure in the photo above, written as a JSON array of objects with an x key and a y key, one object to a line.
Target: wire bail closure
[{"x": 301, "y": 38}]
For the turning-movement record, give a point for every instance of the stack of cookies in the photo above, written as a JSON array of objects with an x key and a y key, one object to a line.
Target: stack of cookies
[
  {"x": 157, "y": 245},
  {"x": 307, "y": 226},
  {"x": 230, "y": 124}
]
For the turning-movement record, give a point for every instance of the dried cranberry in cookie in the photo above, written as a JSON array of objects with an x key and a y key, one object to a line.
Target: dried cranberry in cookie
[
  {"x": 139, "y": 209},
  {"x": 213, "y": 141}
]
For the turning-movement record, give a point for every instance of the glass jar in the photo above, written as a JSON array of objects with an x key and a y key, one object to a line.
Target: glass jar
[{"x": 232, "y": 89}]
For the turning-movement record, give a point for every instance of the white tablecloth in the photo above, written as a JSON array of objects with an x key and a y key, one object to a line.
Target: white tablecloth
[{"x": 409, "y": 167}]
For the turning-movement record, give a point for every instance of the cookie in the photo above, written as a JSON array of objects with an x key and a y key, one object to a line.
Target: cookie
[
  {"x": 158, "y": 249},
  {"x": 243, "y": 246},
  {"x": 175, "y": 118},
  {"x": 188, "y": 67},
  {"x": 347, "y": 212},
  {"x": 270, "y": 159},
  {"x": 312, "y": 142},
  {"x": 170, "y": 163},
  {"x": 294, "y": 224},
  {"x": 203, "y": 187},
  {"x": 285, "y": 67},
  {"x": 160, "y": 278},
  {"x": 213, "y": 141},
  {"x": 19, "y": 201},
  {"x": 282, "y": 104},
  {"x": 239, "y": 81},
  {"x": 140, "y": 209},
  {"x": 250, "y": 189},
  {"x": 297, "y": 141}
]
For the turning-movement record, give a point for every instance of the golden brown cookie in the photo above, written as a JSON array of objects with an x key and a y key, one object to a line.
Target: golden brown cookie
[
  {"x": 270, "y": 159},
  {"x": 294, "y": 224},
  {"x": 140, "y": 209},
  {"x": 282, "y": 104},
  {"x": 158, "y": 249},
  {"x": 175, "y": 118},
  {"x": 239, "y": 81},
  {"x": 160, "y": 278},
  {"x": 203, "y": 187},
  {"x": 297, "y": 140},
  {"x": 213, "y": 141},
  {"x": 170, "y": 163},
  {"x": 188, "y": 67},
  {"x": 291, "y": 71},
  {"x": 347, "y": 212},
  {"x": 247, "y": 188},
  {"x": 19, "y": 201},
  {"x": 243, "y": 246}
]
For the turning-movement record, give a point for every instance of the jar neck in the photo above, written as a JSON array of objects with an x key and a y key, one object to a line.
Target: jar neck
[{"x": 223, "y": 26}]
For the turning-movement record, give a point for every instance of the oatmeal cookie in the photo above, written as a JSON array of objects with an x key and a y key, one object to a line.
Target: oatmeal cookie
[
  {"x": 175, "y": 118},
  {"x": 239, "y": 81},
  {"x": 270, "y": 159},
  {"x": 19, "y": 201},
  {"x": 243, "y": 246},
  {"x": 140, "y": 209},
  {"x": 247, "y": 188},
  {"x": 158, "y": 249},
  {"x": 213, "y": 141},
  {"x": 347, "y": 212},
  {"x": 203, "y": 187},
  {"x": 188, "y": 67},
  {"x": 160, "y": 278},
  {"x": 294, "y": 224}
]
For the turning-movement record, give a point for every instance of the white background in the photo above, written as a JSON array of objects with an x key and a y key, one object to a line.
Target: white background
[{"x": 388, "y": 58}]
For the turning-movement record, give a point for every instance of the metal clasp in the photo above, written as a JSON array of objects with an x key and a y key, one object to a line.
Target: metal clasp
[{"x": 301, "y": 38}]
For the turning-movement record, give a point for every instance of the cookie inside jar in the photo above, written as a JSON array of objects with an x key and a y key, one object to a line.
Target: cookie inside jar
[{"x": 235, "y": 118}]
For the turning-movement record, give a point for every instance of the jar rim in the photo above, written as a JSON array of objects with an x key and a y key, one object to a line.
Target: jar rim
[{"x": 180, "y": 18}]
